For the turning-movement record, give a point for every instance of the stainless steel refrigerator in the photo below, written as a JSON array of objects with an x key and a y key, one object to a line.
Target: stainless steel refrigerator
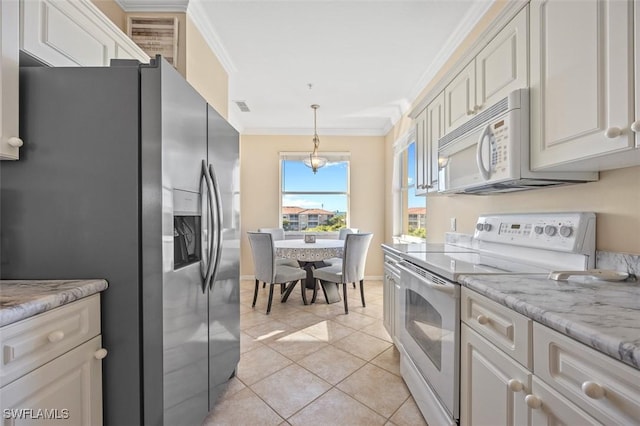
[{"x": 128, "y": 174}]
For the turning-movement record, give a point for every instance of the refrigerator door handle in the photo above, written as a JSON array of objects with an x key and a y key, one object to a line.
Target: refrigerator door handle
[
  {"x": 207, "y": 262},
  {"x": 218, "y": 224}
]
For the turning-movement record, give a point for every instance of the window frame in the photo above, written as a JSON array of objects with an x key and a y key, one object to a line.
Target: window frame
[
  {"x": 337, "y": 156},
  {"x": 401, "y": 191}
]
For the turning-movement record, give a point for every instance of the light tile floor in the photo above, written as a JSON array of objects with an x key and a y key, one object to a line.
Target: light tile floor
[{"x": 314, "y": 365}]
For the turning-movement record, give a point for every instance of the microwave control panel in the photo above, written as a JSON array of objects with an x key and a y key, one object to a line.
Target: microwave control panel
[
  {"x": 500, "y": 149},
  {"x": 570, "y": 232}
]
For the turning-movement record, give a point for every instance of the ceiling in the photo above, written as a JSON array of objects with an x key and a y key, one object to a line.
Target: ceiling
[{"x": 364, "y": 62}]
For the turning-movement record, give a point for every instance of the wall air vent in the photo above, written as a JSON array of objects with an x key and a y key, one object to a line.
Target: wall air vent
[{"x": 242, "y": 105}]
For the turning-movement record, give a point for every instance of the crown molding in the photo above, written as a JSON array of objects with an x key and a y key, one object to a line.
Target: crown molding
[
  {"x": 293, "y": 131},
  {"x": 153, "y": 6},
  {"x": 470, "y": 20},
  {"x": 196, "y": 12},
  {"x": 508, "y": 12}
]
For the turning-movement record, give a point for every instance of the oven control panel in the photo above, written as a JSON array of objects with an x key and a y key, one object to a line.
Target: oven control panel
[{"x": 567, "y": 232}]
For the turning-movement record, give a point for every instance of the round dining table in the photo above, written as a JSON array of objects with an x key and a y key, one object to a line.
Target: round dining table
[{"x": 311, "y": 255}]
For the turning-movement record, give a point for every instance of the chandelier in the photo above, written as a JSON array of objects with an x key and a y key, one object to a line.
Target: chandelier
[{"x": 314, "y": 161}]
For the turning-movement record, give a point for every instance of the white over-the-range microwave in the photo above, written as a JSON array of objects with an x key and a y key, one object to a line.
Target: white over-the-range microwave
[{"x": 490, "y": 153}]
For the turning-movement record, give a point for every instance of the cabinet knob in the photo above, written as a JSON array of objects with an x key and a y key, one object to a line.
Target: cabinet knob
[
  {"x": 612, "y": 132},
  {"x": 533, "y": 401},
  {"x": 100, "y": 353},
  {"x": 470, "y": 112},
  {"x": 56, "y": 336},
  {"x": 482, "y": 319},
  {"x": 635, "y": 126},
  {"x": 593, "y": 390},
  {"x": 15, "y": 142},
  {"x": 515, "y": 385}
]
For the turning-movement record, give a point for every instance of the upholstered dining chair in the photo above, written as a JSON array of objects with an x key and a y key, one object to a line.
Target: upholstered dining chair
[
  {"x": 341, "y": 236},
  {"x": 278, "y": 234},
  {"x": 269, "y": 271},
  {"x": 351, "y": 270}
]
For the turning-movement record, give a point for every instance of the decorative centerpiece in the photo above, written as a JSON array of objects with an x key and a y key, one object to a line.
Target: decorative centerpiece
[{"x": 309, "y": 238}]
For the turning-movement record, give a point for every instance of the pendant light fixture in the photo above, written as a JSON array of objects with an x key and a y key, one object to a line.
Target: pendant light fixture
[{"x": 314, "y": 161}]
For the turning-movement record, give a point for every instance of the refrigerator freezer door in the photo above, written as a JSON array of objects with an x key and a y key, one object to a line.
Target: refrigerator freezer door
[{"x": 174, "y": 134}]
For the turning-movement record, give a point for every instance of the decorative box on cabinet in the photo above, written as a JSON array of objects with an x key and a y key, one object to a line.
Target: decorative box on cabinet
[
  {"x": 582, "y": 89},
  {"x": 72, "y": 33},
  {"x": 52, "y": 365}
]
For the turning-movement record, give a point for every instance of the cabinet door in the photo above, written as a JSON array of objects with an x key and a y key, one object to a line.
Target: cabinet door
[
  {"x": 460, "y": 98},
  {"x": 73, "y": 33},
  {"x": 434, "y": 131},
  {"x": 69, "y": 388},
  {"x": 421, "y": 153},
  {"x": 549, "y": 408},
  {"x": 581, "y": 87},
  {"x": 387, "y": 302},
  {"x": 635, "y": 127},
  {"x": 492, "y": 385},
  {"x": 9, "y": 33},
  {"x": 502, "y": 66}
]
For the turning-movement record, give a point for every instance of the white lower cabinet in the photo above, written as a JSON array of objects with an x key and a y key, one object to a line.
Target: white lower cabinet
[
  {"x": 569, "y": 383},
  {"x": 493, "y": 386},
  {"x": 51, "y": 367},
  {"x": 67, "y": 389},
  {"x": 549, "y": 407}
]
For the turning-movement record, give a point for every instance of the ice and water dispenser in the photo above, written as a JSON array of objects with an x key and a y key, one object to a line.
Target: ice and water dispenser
[{"x": 187, "y": 228}]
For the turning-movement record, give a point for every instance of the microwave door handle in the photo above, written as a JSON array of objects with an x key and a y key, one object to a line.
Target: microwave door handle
[
  {"x": 207, "y": 265},
  {"x": 218, "y": 224},
  {"x": 486, "y": 174}
]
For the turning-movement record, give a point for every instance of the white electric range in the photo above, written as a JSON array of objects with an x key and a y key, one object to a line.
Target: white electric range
[{"x": 505, "y": 244}]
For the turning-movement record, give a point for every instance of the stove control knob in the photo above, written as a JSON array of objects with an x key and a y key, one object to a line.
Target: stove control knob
[
  {"x": 539, "y": 229},
  {"x": 566, "y": 231},
  {"x": 550, "y": 230},
  {"x": 487, "y": 227},
  {"x": 479, "y": 226}
]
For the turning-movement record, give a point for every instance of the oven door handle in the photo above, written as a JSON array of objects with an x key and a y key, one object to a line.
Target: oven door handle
[{"x": 445, "y": 288}]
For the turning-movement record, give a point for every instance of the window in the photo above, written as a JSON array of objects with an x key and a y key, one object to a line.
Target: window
[
  {"x": 314, "y": 202},
  {"x": 410, "y": 210}
]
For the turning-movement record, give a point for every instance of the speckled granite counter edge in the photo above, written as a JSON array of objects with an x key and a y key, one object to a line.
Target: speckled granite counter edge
[
  {"x": 614, "y": 347},
  {"x": 21, "y": 299}
]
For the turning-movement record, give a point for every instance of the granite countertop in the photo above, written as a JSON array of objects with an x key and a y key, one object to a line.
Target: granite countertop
[
  {"x": 603, "y": 315},
  {"x": 20, "y": 299}
]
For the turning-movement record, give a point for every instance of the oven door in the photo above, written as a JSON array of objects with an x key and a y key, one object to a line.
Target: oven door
[{"x": 430, "y": 329}]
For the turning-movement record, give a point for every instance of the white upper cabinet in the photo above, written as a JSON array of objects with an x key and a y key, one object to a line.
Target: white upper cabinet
[
  {"x": 499, "y": 68},
  {"x": 435, "y": 130},
  {"x": 72, "y": 33},
  {"x": 9, "y": 35},
  {"x": 582, "y": 89},
  {"x": 421, "y": 153},
  {"x": 635, "y": 127},
  {"x": 460, "y": 98},
  {"x": 503, "y": 65}
]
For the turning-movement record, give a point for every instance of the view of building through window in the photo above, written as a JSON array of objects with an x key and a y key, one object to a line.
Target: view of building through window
[
  {"x": 413, "y": 207},
  {"x": 314, "y": 202}
]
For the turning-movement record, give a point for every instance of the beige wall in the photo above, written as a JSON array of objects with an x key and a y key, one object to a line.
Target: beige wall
[
  {"x": 260, "y": 183},
  {"x": 205, "y": 72},
  {"x": 113, "y": 11},
  {"x": 615, "y": 197}
]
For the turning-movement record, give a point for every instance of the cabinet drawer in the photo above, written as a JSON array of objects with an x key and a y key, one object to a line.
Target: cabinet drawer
[
  {"x": 30, "y": 343},
  {"x": 575, "y": 370},
  {"x": 507, "y": 329}
]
